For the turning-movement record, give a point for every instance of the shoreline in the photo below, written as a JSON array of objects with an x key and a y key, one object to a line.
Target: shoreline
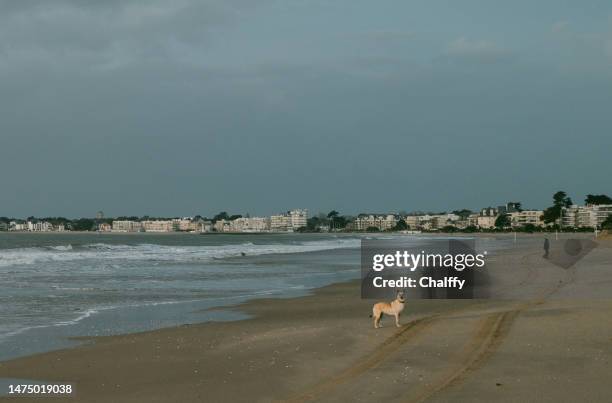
[
  {"x": 322, "y": 347},
  {"x": 298, "y": 315}
]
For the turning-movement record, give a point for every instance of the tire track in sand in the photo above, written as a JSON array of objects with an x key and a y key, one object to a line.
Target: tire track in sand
[
  {"x": 488, "y": 337},
  {"x": 389, "y": 346}
]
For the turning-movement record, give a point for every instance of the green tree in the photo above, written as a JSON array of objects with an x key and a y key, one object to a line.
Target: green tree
[
  {"x": 553, "y": 213},
  {"x": 471, "y": 228},
  {"x": 529, "y": 228},
  {"x": 221, "y": 216},
  {"x": 312, "y": 224},
  {"x": 607, "y": 224},
  {"x": 372, "y": 229},
  {"x": 598, "y": 199},
  {"x": 336, "y": 221},
  {"x": 463, "y": 213},
  {"x": 401, "y": 226},
  {"x": 83, "y": 224},
  {"x": 503, "y": 221}
]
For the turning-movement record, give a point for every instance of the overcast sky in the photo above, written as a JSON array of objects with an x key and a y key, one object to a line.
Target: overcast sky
[{"x": 257, "y": 106}]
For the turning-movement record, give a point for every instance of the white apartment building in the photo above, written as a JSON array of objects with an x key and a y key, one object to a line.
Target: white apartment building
[
  {"x": 280, "y": 223},
  {"x": 437, "y": 221},
  {"x": 486, "y": 221},
  {"x": 299, "y": 218},
  {"x": 186, "y": 224},
  {"x": 105, "y": 227},
  {"x": 489, "y": 212},
  {"x": 158, "y": 226},
  {"x": 41, "y": 226},
  {"x": 250, "y": 224},
  {"x": 290, "y": 221},
  {"x": 205, "y": 226},
  {"x": 585, "y": 216},
  {"x": 522, "y": 218},
  {"x": 382, "y": 222},
  {"x": 15, "y": 226},
  {"x": 412, "y": 221},
  {"x": 440, "y": 221},
  {"x": 575, "y": 216},
  {"x": 600, "y": 213},
  {"x": 473, "y": 220},
  {"x": 222, "y": 226},
  {"x": 126, "y": 226}
]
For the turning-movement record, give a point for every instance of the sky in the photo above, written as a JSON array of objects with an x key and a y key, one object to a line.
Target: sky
[{"x": 187, "y": 107}]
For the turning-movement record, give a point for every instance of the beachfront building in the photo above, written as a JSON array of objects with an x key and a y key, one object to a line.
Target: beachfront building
[
  {"x": 105, "y": 227},
  {"x": 382, "y": 222},
  {"x": 431, "y": 222},
  {"x": 250, "y": 224},
  {"x": 600, "y": 212},
  {"x": 243, "y": 224},
  {"x": 280, "y": 223},
  {"x": 4, "y": 226},
  {"x": 205, "y": 226},
  {"x": 489, "y": 212},
  {"x": 526, "y": 217},
  {"x": 126, "y": 226},
  {"x": 186, "y": 224},
  {"x": 440, "y": 221},
  {"x": 576, "y": 216},
  {"x": 473, "y": 220},
  {"x": 289, "y": 221},
  {"x": 412, "y": 221},
  {"x": 39, "y": 226},
  {"x": 158, "y": 226},
  {"x": 486, "y": 221},
  {"x": 590, "y": 216},
  {"x": 222, "y": 226},
  {"x": 299, "y": 218},
  {"x": 17, "y": 226}
]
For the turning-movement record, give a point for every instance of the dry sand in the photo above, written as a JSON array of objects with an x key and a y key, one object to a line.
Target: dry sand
[{"x": 554, "y": 346}]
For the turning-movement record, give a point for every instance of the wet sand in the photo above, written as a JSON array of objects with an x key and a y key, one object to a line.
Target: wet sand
[{"x": 554, "y": 346}]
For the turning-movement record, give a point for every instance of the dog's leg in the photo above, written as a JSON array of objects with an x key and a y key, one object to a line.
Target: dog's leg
[{"x": 397, "y": 315}]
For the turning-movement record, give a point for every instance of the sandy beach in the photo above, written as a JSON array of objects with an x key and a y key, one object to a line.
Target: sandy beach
[{"x": 554, "y": 346}]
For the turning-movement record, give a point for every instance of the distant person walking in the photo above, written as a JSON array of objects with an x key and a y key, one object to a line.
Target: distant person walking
[{"x": 546, "y": 247}]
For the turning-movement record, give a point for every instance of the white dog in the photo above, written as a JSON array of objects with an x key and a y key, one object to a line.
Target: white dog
[{"x": 394, "y": 308}]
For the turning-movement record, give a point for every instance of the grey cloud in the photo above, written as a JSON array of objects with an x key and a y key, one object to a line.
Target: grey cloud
[
  {"x": 481, "y": 51},
  {"x": 107, "y": 34},
  {"x": 560, "y": 26}
]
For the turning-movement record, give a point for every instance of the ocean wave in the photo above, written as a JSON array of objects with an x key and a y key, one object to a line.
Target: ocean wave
[
  {"x": 61, "y": 247},
  {"x": 161, "y": 253}
]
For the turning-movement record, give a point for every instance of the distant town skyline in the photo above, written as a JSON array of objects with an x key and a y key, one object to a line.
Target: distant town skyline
[
  {"x": 102, "y": 214},
  {"x": 193, "y": 107}
]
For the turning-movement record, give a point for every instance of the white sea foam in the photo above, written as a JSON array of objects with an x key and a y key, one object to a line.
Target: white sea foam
[{"x": 160, "y": 253}]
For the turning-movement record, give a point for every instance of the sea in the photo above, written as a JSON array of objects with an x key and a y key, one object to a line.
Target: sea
[{"x": 58, "y": 287}]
